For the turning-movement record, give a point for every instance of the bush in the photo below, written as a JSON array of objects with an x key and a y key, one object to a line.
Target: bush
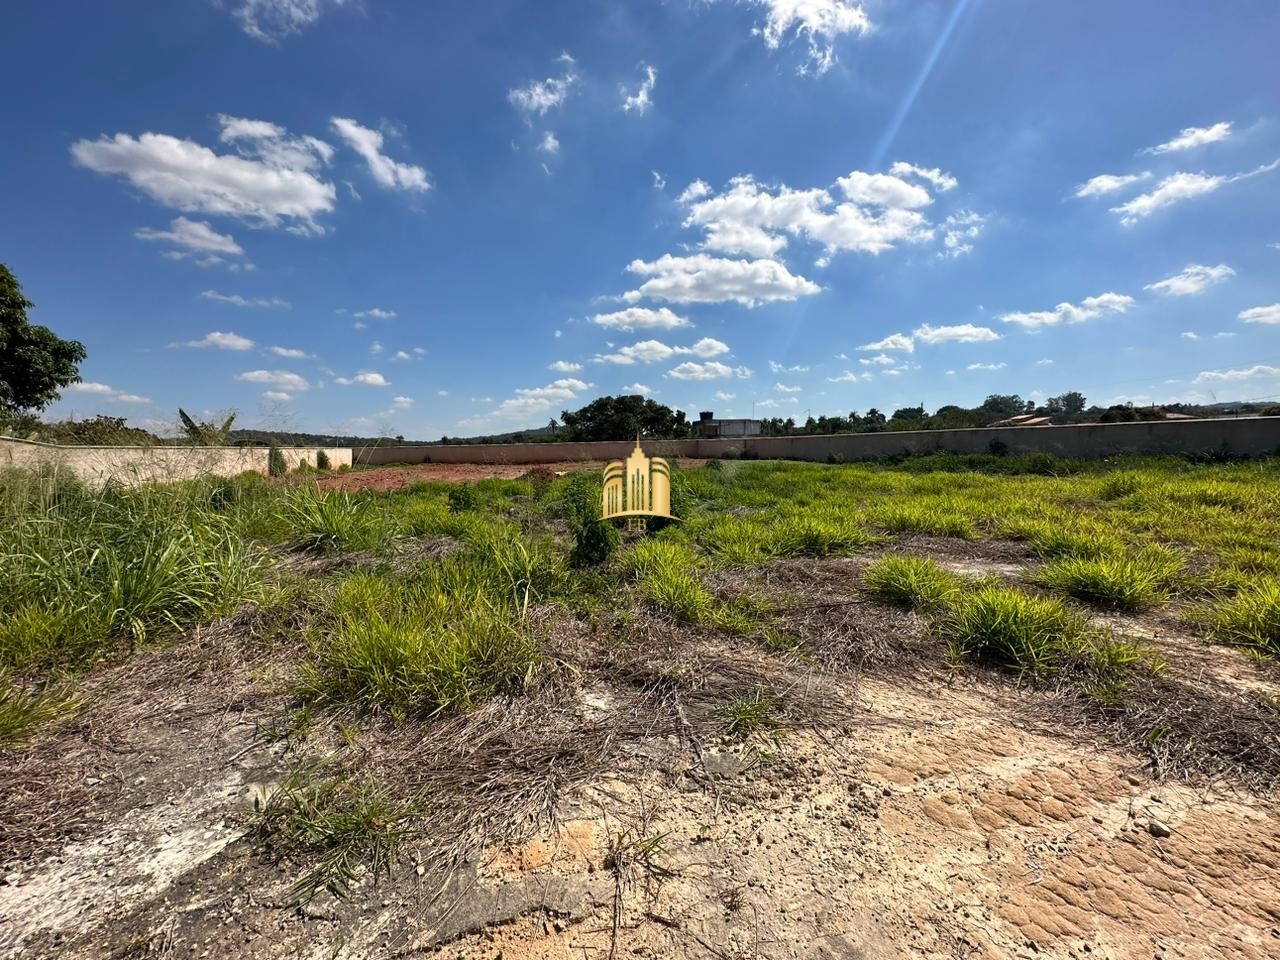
[
  {"x": 275, "y": 463},
  {"x": 322, "y": 460},
  {"x": 594, "y": 540},
  {"x": 462, "y": 498},
  {"x": 914, "y": 582}
]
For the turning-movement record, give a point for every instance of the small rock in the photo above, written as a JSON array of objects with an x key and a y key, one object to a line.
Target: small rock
[{"x": 1158, "y": 829}]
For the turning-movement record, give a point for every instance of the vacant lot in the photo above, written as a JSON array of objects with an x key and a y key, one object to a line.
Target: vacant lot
[{"x": 958, "y": 707}]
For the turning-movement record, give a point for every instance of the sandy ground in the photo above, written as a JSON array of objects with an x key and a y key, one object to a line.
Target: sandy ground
[
  {"x": 941, "y": 816},
  {"x": 395, "y": 477}
]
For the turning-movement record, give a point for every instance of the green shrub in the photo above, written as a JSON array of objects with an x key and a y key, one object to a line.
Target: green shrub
[
  {"x": 914, "y": 582},
  {"x": 463, "y": 497},
  {"x": 334, "y": 521},
  {"x": 1251, "y": 618},
  {"x": 1031, "y": 635},
  {"x": 322, "y": 460},
  {"x": 1127, "y": 582},
  {"x": 276, "y": 466},
  {"x": 594, "y": 540}
]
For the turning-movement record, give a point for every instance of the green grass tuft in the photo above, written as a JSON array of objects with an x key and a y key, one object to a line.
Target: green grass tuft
[
  {"x": 751, "y": 715},
  {"x": 1126, "y": 582},
  {"x": 1029, "y": 635},
  {"x": 914, "y": 582},
  {"x": 1250, "y": 619},
  {"x": 22, "y": 711}
]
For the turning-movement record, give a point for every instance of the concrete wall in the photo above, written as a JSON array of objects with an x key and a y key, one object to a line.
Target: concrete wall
[
  {"x": 132, "y": 465},
  {"x": 1241, "y": 437}
]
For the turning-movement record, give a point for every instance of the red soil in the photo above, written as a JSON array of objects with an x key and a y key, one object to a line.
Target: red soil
[{"x": 395, "y": 477}]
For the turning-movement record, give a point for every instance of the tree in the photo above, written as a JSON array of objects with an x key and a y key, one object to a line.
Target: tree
[
  {"x": 35, "y": 363},
  {"x": 621, "y": 418},
  {"x": 1069, "y": 404},
  {"x": 1001, "y": 407},
  {"x": 202, "y": 434}
]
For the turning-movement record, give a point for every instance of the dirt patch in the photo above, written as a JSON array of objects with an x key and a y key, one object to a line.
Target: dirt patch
[{"x": 396, "y": 477}]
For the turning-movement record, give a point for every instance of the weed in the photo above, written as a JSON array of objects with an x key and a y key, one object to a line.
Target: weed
[
  {"x": 1127, "y": 582},
  {"x": 276, "y": 466},
  {"x": 22, "y": 711},
  {"x": 914, "y": 582},
  {"x": 925, "y": 518},
  {"x": 1251, "y": 618},
  {"x": 462, "y": 497},
  {"x": 335, "y": 521},
  {"x": 750, "y": 715},
  {"x": 594, "y": 540},
  {"x": 1027, "y": 634}
]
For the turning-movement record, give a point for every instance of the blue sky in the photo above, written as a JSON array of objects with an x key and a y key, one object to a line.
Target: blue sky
[{"x": 451, "y": 218}]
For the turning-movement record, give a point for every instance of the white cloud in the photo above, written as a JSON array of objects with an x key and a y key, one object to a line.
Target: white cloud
[
  {"x": 703, "y": 279},
  {"x": 1258, "y": 372},
  {"x": 550, "y": 144},
  {"x": 1088, "y": 309},
  {"x": 711, "y": 370},
  {"x": 238, "y": 301},
  {"x": 637, "y": 388},
  {"x": 272, "y": 20},
  {"x": 534, "y": 400},
  {"x": 386, "y": 172},
  {"x": 283, "y": 379},
  {"x": 278, "y": 396},
  {"x": 364, "y": 378},
  {"x": 401, "y": 355},
  {"x": 880, "y": 359},
  {"x": 819, "y": 22},
  {"x": 268, "y": 183},
  {"x": 639, "y": 318},
  {"x": 1190, "y": 335},
  {"x": 1269, "y": 314},
  {"x": 1172, "y": 189},
  {"x": 878, "y": 212},
  {"x": 942, "y": 181},
  {"x": 642, "y": 99},
  {"x": 959, "y": 333},
  {"x": 564, "y": 366},
  {"x": 776, "y": 367},
  {"x": 957, "y": 232},
  {"x": 418, "y": 351},
  {"x": 724, "y": 396},
  {"x": 375, "y": 348},
  {"x": 442, "y": 393},
  {"x": 108, "y": 393},
  {"x": 1109, "y": 183},
  {"x": 987, "y": 366},
  {"x": 375, "y": 313},
  {"x": 894, "y": 341},
  {"x": 539, "y": 96},
  {"x": 222, "y": 341},
  {"x": 1044, "y": 362},
  {"x": 401, "y": 403},
  {"x": 848, "y": 376},
  {"x": 784, "y": 388},
  {"x": 1195, "y": 278},
  {"x": 1223, "y": 334},
  {"x": 290, "y": 353},
  {"x": 659, "y": 181},
  {"x": 1190, "y": 137},
  {"x": 652, "y": 351},
  {"x": 194, "y": 236}
]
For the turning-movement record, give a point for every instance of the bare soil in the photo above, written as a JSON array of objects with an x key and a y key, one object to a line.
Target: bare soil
[
  {"x": 904, "y": 808},
  {"x": 396, "y": 477}
]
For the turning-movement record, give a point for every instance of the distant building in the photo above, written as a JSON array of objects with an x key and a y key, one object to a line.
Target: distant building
[
  {"x": 1024, "y": 420},
  {"x": 707, "y": 426}
]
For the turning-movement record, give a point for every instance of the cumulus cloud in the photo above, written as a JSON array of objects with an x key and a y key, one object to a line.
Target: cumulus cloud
[
  {"x": 958, "y": 232},
  {"x": 958, "y": 333},
  {"x": 1269, "y": 314},
  {"x": 987, "y": 366},
  {"x": 637, "y": 388},
  {"x": 268, "y": 182},
  {"x": 238, "y": 301},
  {"x": 283, "y": 379},
  {"x": 222, "y": 341},
  {"x": 1195, "y": 278},
  {"x": 565, "y": 366},
  {"x": 704, "y": 279},
  {"x": 1109, "y": 183},
  {"x": 278, "y": 396},
  {"x": 723, "y": 395},
  {"x": 642, "y": 99},
  {"x": 1172, "y": 189},
  {"x": 895, "y": 341},
  {"x": 1088, "y": 309},
  {"x": 1190, "y": 137},
  {"x": 711, "y": 370},
  {"x": 272, "y": 20},
  {"x": 539, "y": 96},
  {"x": 105, "y": 392},
  {"x": 942, "y": 181},
  {"x": 1190, "y": 335},
  {"x": 1257, "y": 372},
  {"x": 776, "y": 367},
  {"x": 535, "y": 400},
  {"x": 193, "y": 237},
  {"x": 848, "y": 376},
  {"x": 819, "y": 22},
  {"x": 376, "y": 313},
  {"x": 401, "y": 403},
  {"x": 785, "y": 388},
  {"x": 550, "y": 145},
  {"x": 364, "y": 378},
  {"x": 290, "y": 353},
  {"x": 879, "y": 360},
  {"x": 652, "y": 351},
  {"x": 388, "y": 173},
  {"x": 640, "y": 318}
]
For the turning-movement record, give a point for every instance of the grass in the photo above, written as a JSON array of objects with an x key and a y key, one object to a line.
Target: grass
[
  {"x": 1125, "y": 582},
  {"x": 1249, "y": 619},
  {"x": 350, "y": 829},
  {"x": 1032, "y": 636},
  {"x": 914, "y": 582},
  {"x": 23, "y": 712},
  {"x": 751, "y": 715}
]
